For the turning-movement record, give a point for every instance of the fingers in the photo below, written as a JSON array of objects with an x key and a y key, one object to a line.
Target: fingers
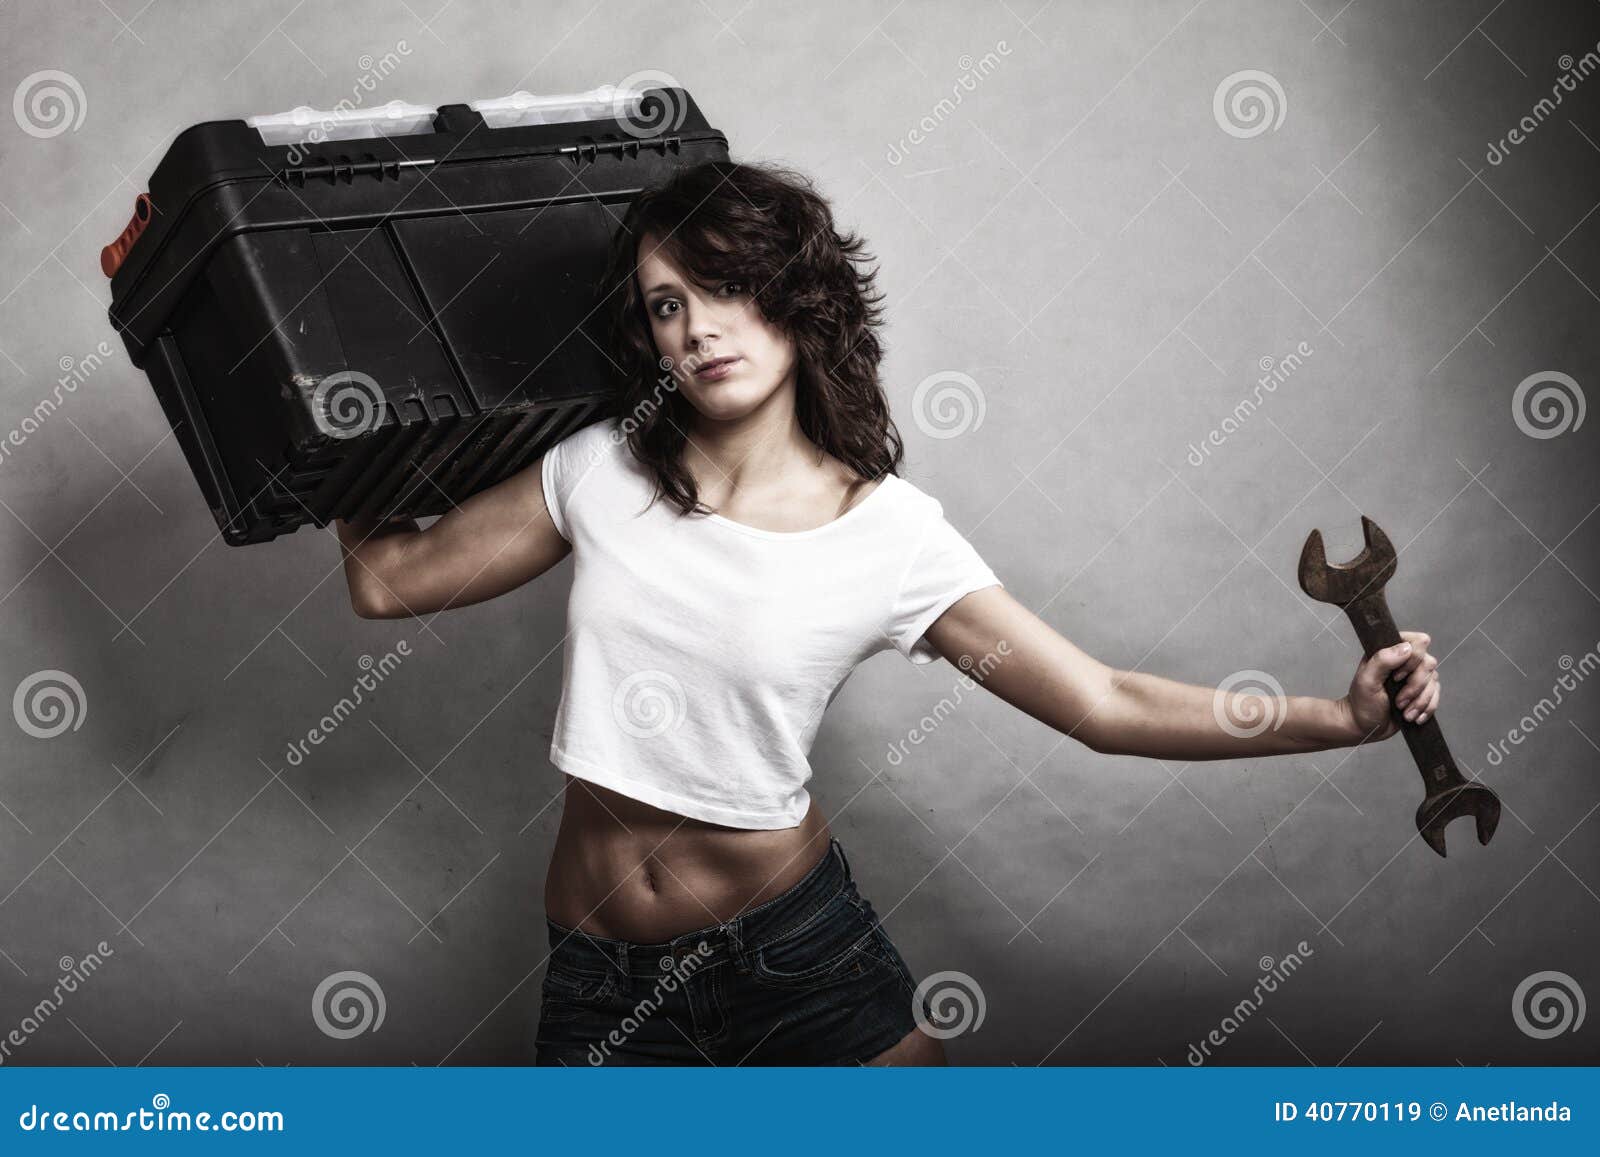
[
  {"x": 1419, "y": 641},
  {"x": 1424, "y": 704},
  {"x": 1418, "y": 682},
  {"x": 1388, "y": 660},
  {"x": 1418, "y": 697}
]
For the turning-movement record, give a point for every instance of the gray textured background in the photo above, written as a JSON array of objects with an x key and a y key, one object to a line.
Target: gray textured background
[{"x": 1080, "y": 237}]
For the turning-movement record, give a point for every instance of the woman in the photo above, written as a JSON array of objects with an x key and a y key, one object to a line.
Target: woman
[{"x": 741, "y": 541}]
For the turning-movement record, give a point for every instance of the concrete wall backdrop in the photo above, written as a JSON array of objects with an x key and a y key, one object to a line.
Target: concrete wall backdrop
[{"x": 1093, "y": 255}]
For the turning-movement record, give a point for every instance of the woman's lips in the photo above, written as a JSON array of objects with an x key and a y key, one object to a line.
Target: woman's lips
[{"x": 719, "y": 369}]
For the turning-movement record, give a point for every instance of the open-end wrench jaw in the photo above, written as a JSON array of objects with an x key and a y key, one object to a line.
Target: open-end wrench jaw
[
  {"x": 1357, "y": 588},
  {"x": 1345, "y": 582},
  {"x": 1466, "y": 799}
]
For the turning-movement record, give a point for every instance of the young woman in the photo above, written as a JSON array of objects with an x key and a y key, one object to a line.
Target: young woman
[{"x": 741, "y": 541}]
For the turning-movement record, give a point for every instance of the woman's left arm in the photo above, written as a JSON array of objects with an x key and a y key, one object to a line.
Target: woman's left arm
[{"x": 1022, "y": 659}]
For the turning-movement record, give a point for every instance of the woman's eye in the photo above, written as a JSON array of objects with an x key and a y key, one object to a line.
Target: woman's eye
[
  {"x": 738, "y": 286},
  {"x": 661, "y": 307}
]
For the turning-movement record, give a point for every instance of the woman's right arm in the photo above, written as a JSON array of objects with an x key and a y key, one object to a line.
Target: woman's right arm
[{"x": 491, "y": 543}]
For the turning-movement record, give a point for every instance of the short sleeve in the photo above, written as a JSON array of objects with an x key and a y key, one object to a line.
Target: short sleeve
[
  {"x": 942, "y": 569},
  {"x": 565, "y": 465}
]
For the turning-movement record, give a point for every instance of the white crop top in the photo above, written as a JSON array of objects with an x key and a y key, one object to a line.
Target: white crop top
[{"x": 701, "y": 652}]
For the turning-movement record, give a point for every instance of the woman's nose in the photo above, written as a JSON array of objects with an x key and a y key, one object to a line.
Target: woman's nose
[{"x": 702, "y": 327}]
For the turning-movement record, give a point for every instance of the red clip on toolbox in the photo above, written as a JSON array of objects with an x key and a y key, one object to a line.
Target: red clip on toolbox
[{"x": 380, "y": 313}]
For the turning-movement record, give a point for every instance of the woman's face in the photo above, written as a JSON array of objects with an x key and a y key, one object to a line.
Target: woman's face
[{"x": 697, "y": 326}]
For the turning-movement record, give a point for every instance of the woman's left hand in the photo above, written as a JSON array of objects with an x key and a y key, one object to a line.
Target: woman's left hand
[{"x": 1367, "y": 704}]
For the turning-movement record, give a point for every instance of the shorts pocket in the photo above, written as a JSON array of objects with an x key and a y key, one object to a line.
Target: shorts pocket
[
  {"x": 569, "y": 992},
  {"x": 880, "y": 947},
  {"x": 834, "y": 944}
]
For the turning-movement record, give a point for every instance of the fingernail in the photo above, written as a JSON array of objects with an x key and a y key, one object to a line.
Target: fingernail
[{"x": 1405, "y": 648}]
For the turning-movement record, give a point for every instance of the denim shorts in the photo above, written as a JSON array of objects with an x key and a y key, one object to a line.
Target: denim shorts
[{"x": 807, "y": 978}]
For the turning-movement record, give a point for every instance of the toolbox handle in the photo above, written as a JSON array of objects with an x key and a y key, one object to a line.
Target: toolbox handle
[
  {"x": 303, "y": 124},
  {"x": 524, "y": 108}
]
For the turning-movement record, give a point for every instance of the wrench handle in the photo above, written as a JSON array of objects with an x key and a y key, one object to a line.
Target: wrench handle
[{"x": 1376, "y": 629}]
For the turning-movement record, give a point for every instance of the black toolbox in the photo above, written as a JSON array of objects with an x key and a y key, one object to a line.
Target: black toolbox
[{"x": 380, "y": 312}]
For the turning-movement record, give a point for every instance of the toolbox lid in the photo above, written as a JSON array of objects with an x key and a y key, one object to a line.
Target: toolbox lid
[
  {"x": 303, "y": 123},
  {"x": 524, "y": 108},
  {"x": 272, "y": 171}
]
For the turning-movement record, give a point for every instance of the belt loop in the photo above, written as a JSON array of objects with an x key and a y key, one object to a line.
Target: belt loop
[
  {"x": 733, "y": 930},
  {"x": 843, "y": 859}
]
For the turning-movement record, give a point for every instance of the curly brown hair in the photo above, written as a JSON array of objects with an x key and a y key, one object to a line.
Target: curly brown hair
[{"x": 766, "y": 227}]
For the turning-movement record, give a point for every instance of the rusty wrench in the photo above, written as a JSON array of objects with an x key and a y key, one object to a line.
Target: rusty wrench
[{"x": 1357, "y": 587}]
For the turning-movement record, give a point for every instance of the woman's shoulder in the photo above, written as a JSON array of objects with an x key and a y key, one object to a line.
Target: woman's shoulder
[
  {"x": 906, "y": 497},
  {"x": 596, "y": 434},
  {"x": 592, "y": 444}
]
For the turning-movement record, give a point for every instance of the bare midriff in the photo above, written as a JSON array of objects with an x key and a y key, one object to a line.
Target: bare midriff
[{"x": 625, "y": 870}]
